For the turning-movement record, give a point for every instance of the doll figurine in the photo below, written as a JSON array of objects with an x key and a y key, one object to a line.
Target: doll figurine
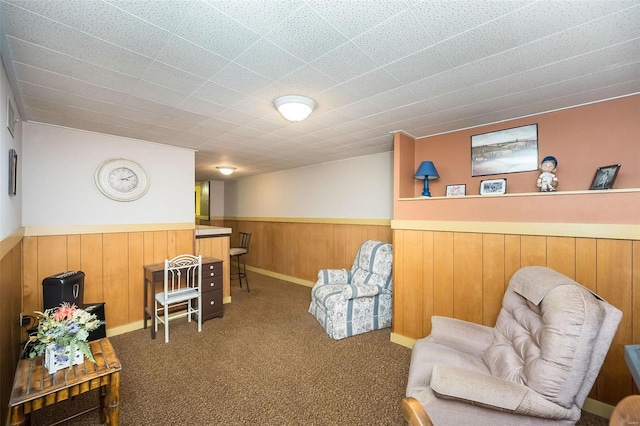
[{"x": 547, "y": 181}]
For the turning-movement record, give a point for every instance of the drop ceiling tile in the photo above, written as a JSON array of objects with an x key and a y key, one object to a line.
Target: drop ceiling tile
[
  {"x": 92, "y": 105},
  {"x": 240, "y": 79},
  {"x": 200, "y": 106},
  {"x": 394, "y": 98},
  {"x": 444, "y": 19},
  {"x": 384, "y": 44},
  {"x": 336, "y": 97},
  {"x": 122, "y": 29},
  {"x": 344, "y": 62},
  {"x": 306, "y": 35},
  {"x": 68, "y": 12},
  {"x": 436, "y": 85},
  {"x": 259, "y": 15},
  {"x": 268, "y": 60},
  {"x": 218, "y": 94},
  {"x": 103, "y": 77},
  {"x": 363, "y": 108},
  {"x": 372, "y": 83},
  {"x": 44, "y": 116},
  {"x": 532, "y": 22},
  {"x": 500, "y": 87},
  {"x": 253, "y": 106},
  {"x": 42, "y": 92},
  {"x": 106, "y": 55},
  {"x": 27, "y": 26},
  {"x": 165, "y": 14},
  {"x": 354, "y": 17},
  {"x": 155, "y": 93},
  {"x": 214, "y": 31},
  {"x": 264, "y": 125},
  {"x": 138, "y": 115},
  {"x": 235, "y": 117},
  {"x": 490, "y": 68},
  {"x": 164, "y": 75},
  {"x": 147, "y": 105},
  {"x": 450, "y": 100},
  {"x": 419, "y": 65},
  {"x": 38, "y": 56},
  {"x": 306, "y": 81},
  {"x": 486, "y": 40},
  {"x": 182, "y": 54}
]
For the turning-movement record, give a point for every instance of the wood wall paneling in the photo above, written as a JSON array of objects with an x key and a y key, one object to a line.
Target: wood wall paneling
[{"x": 471, "y": 271}]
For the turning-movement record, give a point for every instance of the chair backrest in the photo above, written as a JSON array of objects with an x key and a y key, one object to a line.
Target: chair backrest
[
  {"x": 244, "y": 239},
  {"x": 373, "y": 264},
  {"x": 182, "y": 273},
  {"x": 551, "y": 335}
]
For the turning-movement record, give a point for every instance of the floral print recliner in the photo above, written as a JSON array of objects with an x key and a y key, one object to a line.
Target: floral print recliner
[{"x": 352, "y": 302}]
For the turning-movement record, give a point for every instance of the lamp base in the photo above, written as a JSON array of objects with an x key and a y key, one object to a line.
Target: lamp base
[{"x": 425, "y": 190}]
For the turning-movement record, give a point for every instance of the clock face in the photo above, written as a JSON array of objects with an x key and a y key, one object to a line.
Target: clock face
[{"x": 121, "y": 179}]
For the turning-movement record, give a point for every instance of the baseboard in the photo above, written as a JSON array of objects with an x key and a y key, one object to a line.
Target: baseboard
[
  {"x": 598, "y": 408},
  {"x": 281, "y": 276}
]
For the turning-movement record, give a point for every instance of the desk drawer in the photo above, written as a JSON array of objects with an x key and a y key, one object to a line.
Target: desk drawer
[
  {"x": 212, "y": 305},
  {"x": 211, "y": 284},
  {"x": 211, "y": 269}
]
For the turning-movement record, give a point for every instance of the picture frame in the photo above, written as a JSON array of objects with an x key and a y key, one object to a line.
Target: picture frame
[
  {"x": 511, "y": 150},
  {"x": 605, "y": 177},
  {"x": 11, "y": 116},
  {"x": 493, "y": 186},
  {"x": 457, "y": 190},
  {"x": 13, "y": 172}
]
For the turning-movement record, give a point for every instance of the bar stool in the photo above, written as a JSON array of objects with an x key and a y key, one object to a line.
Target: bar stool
[{"x": 239, "y": 252}]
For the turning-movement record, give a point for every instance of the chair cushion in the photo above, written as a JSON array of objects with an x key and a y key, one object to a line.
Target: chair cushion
[
  {"x": 236, "y": 251},
  {"x": 373, "y": 264},
  {"x": 546, "y": 345}
]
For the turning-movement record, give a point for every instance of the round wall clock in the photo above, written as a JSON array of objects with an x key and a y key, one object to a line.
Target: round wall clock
[{"x": 121, "y": 179}]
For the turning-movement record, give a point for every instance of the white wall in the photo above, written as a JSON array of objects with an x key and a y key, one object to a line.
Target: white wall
[
  {"x": 59, "y": 188},
  {"x": 10, "y": 206},
  {"x": 216, "y": 198},
  {"x": 358, "y": 188}
]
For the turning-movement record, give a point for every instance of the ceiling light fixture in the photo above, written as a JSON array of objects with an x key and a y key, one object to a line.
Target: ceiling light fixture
[
  {"x": 225, "y": 170},
  {"x": 294, "y": 107}
]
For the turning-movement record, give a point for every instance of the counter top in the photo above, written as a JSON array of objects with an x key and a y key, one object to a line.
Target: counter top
[{"x": 210, "y": 231}]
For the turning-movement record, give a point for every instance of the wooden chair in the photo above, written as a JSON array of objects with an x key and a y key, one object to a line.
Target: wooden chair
[
  {"x": 182, "y": 289},
  {"x": 627, "y": 412}
]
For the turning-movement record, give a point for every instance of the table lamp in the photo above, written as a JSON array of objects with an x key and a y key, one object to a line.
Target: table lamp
[{"x": 426, "y": 171}]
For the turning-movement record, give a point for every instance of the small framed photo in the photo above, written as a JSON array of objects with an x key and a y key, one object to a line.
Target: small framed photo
[
  {"x": 493, "y": 186},
  {"x": 457, "y": 190},
  {"x": 11, "y": 116},
  {"x": 605, "y": 176}
]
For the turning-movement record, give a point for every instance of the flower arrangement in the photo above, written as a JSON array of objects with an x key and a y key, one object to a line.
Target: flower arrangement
[{"x": 65, "y": 326}]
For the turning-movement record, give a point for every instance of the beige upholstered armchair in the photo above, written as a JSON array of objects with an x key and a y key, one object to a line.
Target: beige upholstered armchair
[{"x": 535, "y": 367}]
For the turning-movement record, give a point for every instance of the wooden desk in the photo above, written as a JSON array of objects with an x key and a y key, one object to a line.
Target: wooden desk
[
  {"x": 34, "y": 388},
  {"x": 154, "y": 276}
]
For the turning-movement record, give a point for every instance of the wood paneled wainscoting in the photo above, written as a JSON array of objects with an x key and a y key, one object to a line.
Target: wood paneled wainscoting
[
  {"x": 464, "y": 275},
  {"x": 296, "y": 249},
  {"x": 112, "y": 262}
]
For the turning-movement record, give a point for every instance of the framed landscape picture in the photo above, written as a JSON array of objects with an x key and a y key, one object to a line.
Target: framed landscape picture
[{"x": 505, "y": 151}]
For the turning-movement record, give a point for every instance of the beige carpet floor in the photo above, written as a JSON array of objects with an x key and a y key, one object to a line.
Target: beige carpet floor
[{"x": 266, "y": 362}]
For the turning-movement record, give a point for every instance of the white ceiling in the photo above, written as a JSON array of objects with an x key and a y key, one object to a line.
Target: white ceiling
[{"x": 203, "y": 74}]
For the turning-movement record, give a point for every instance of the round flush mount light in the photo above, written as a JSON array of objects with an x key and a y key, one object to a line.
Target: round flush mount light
[
  {"x": 225, "y": 170},
  {"x": 294, "y": 107}
]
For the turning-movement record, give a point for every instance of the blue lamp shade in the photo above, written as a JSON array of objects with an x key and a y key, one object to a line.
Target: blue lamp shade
[{"x": 426, "y": 171}]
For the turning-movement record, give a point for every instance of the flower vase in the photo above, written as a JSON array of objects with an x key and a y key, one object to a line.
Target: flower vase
[{"x": 58, "y": 357}]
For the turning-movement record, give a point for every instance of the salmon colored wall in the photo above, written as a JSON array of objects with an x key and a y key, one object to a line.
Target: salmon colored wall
[{"x": 582, "y": 139}]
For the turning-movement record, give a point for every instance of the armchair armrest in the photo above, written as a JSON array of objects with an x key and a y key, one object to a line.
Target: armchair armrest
[
  {"x": 492, "y": 392},
  {"x": 465, "y": 336},
  {"x": 354, "y": 291},
  {"x": 333, "y": 276}
]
